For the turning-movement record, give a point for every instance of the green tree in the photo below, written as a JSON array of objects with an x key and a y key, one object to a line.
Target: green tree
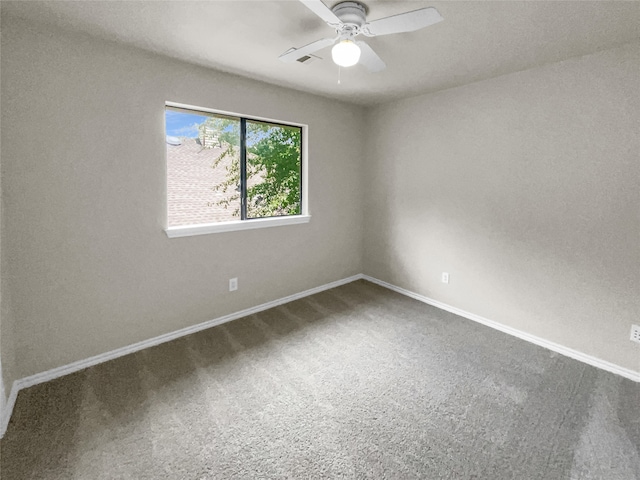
[{"x": 273, "y": 166}]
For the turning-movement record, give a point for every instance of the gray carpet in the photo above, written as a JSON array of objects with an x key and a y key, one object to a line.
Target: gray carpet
[{"x": 355, "y": 382}]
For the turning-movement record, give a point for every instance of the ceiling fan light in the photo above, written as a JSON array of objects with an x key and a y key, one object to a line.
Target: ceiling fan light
[{"x": 345, "y": 53}]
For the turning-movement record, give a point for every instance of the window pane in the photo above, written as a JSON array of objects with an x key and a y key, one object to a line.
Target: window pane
[
  {"x": 203, "y": 167},
  {"x": 273, "y": 169}
]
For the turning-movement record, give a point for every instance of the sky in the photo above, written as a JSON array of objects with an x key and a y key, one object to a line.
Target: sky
[{"x": 183, "y": 124}]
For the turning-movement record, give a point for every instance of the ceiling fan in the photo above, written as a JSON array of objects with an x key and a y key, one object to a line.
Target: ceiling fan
[{"x": 349, "y": 19}]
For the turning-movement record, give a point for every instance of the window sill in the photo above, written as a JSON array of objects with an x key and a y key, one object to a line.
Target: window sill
[{"x": 190, "y": 230}]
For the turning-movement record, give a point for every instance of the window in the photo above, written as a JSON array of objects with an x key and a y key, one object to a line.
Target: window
[{"x": 228, "y": 172}]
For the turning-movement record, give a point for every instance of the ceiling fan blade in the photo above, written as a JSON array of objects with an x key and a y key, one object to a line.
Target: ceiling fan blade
[
  {"x": 404, "y": 22},
  {"x": 321, "y": 10},
  {"x": 296, "y": 53},
  {"x": 370, "y": 59}
]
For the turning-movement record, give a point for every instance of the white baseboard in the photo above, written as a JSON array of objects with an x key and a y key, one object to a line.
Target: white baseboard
[
  {"x": 575, "y": 354},
  {"x": 3, "y": 397},
  {"x": 5, "y": 413},
  {"x": 8, "y": 409},
  {"x": 48, "y": 375}
]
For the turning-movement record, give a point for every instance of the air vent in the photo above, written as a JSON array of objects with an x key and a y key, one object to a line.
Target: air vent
[{"x": 308, "y": 59}]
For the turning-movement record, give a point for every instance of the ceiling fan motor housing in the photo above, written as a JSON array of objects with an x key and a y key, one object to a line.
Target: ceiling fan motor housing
[{"x": 351, "y": 13}]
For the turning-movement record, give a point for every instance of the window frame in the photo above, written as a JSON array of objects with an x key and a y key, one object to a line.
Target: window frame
[{"x": 246, "y": 223}]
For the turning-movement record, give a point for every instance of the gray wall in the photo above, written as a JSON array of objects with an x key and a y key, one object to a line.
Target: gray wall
[
  {"x": 525, "y": 188},
  {"x": 90, "y": 268},
  {"x": 7, "y": 358},
  {"x": 5, "y": 350}
]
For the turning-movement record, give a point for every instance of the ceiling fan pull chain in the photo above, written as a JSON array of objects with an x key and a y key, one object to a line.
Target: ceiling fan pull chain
[{"x": 339, "y": 70}]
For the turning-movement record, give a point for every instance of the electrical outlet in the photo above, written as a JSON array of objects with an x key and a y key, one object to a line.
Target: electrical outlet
[
  {"x": 635, "y": 333},
  {"x": 445, "y": 277},
  {"x": 233, "y": 284}
]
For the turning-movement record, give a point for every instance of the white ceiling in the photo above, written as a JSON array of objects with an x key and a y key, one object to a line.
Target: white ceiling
[{"x": 476, "y": 40}]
